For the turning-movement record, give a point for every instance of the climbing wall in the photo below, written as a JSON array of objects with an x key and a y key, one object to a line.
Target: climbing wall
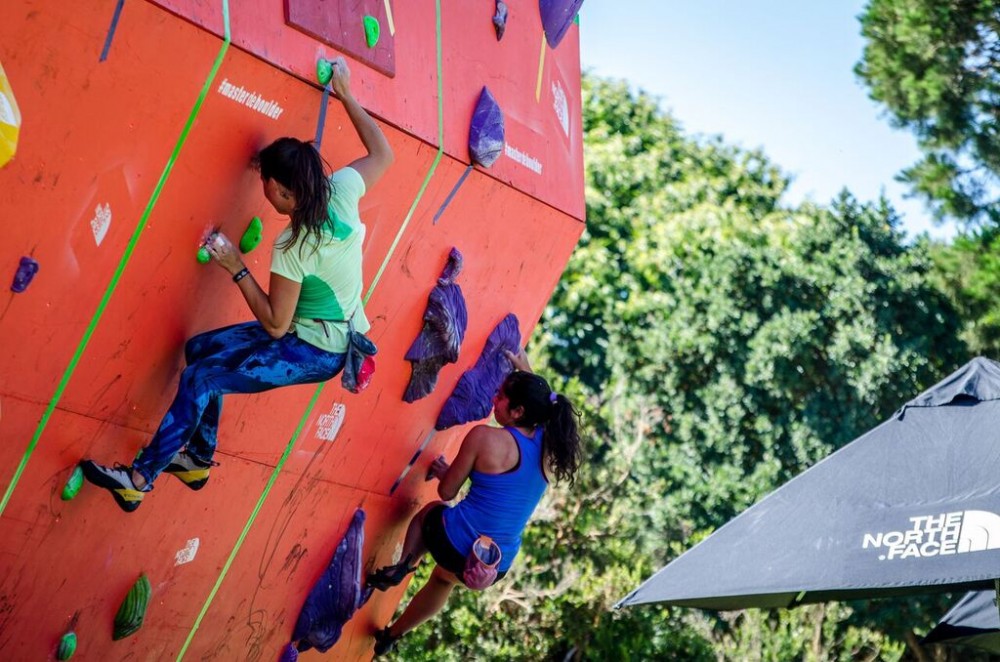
[{"x": 137, "y": 123}]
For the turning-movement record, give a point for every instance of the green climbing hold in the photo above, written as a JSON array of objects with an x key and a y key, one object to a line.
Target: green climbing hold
[
  {"x": 371, "y": 31},
  {"x": 251, "y": 237},
  {"x": 133, "y": 609},
  {"x": 204, "y": 257},
  {"x": 324, "y": 71},
  {"x": 67, "y": 646},
  {"x": 72, "y": 486}
]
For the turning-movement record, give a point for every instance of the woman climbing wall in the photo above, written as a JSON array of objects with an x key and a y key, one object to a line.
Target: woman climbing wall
[
  {"x": 300, "y": 335},
  {"x": 475, "y": 541}
]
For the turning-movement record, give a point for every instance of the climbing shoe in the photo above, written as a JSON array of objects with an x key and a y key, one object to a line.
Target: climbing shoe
[
  {"x": 384, "y": 642},
  {"x": 388, "y": 576},
  {"x": 190, "y": 470},
  {"x": 118, "y": 481}
]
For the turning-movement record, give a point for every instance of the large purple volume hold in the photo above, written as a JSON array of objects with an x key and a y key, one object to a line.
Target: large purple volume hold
[
  {"x": 557, "y": 16},
  {"x": 336, "y": 596},
  {"x": 486, "y": 134},
  {"x": 440, "y": 340},
  {"x": 472, "y": 399}
]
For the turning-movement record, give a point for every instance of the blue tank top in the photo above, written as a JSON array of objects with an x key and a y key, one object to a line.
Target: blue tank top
[{"x": 500, "y": 505}]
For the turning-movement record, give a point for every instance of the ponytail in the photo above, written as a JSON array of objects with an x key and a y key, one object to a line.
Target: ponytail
[
  {"x": 561, "y": 439},
  {"x": 299, "y": 167},
  {"x": 551, "y": 411}
]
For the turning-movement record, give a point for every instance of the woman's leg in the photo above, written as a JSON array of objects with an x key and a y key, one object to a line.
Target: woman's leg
[
  {"x": 230, "y": 345},
  {"x": 426, "y": 603},
  {"x": 269, "y": 364}
]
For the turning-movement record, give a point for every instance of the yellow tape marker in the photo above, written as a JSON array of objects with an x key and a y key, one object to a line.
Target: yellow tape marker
[
  {"x": 388, "y": 18},
  {"x": 541, "y": 67}
]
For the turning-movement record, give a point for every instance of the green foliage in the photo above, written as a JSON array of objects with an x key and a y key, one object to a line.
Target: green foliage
[
  {"x": 968, "y": 270},
  {"x": 717, "y": 343},
  {"x": 936, "y": 68}
]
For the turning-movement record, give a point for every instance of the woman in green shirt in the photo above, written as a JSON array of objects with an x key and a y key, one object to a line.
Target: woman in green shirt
[{"x": 300, "y": 332}]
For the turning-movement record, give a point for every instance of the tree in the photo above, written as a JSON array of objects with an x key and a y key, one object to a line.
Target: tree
[
  {"x": 719, "y": 343},
  {"x": 936, "y": 67}
]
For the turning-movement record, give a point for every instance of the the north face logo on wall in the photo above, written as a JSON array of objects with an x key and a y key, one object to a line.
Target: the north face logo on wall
[{"x": 938, "y": 535}]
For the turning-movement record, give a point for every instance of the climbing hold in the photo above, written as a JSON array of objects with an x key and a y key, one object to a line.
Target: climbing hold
[
  {"x": 289, "y": 653},
  {"x": 472, "y": 398},
  {"x": 486, "y": 134},
  {"x": 500, "y": 19},
  {"x": 371, "y": 31},
  {"x": 440, "y": 339},
  {"x": 10, "y": 120},
  {"x": 251, "y": 237},
  {"x": 26, "y": 271},
  {"x": 336, "y": 595},
  {"x": 133, "y": 609},
  {"x": 324, "y": 71},
  {"x": 67, "y": 646},
  {"x": 72, "y": 486},
  {"x": 557, "y": 16},
  {"x": 203, "y": 257}
]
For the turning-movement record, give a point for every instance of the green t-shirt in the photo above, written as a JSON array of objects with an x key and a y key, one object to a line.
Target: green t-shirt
[{"x": 330, "y": 273}]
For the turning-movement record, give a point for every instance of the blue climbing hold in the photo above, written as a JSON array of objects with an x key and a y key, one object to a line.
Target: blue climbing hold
[
  {"x": 486, "y": 133},
  {"x": 26, "y": 271}
]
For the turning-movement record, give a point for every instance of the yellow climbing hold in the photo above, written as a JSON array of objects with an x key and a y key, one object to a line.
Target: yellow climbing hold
[{"x": 10, "y": 120}]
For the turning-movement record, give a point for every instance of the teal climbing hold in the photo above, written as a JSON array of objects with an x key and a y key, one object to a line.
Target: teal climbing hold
[
  {"x": 133, "y": 609},
  {"x": 67, "y": 646},
  {"x": 324, "y": 71},
  {"x": 252, "y": 235},
  {"x": 72, "y": 486},
  {"x": 371, "y": 31},
  {"x": 204, "y": 257}
]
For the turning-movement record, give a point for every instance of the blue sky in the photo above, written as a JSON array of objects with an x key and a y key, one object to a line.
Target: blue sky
[{"x": 773, "y": 74}]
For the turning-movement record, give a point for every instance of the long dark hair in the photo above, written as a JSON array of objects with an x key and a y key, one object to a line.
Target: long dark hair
[
  {"x": 551, "y": 410},
  {"x": 299, "y": 167}
]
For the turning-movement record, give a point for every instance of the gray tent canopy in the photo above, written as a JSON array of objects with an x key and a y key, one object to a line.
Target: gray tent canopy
[
  {"x": 973, "y": 621},
  {"x": 912, "y": 506}
]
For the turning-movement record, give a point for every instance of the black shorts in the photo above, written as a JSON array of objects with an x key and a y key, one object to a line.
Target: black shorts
[{"x": 441, "y": 549}]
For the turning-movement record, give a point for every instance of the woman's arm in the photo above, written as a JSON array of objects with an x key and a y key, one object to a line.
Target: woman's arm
[
  {"x": 372, "y": 166},
  {"x": 274, "y": 311},
  {"x": 519, "y": 360},
  {"x": 453, "y": 476}
]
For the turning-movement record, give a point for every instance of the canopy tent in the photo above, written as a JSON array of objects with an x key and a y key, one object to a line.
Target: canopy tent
[
  {"x": 973, "y": 621},
  {"x": 909, "y": 507}
]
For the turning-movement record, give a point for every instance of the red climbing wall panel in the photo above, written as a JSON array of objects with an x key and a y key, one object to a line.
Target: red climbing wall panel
[{"x": 95, "y": 141}]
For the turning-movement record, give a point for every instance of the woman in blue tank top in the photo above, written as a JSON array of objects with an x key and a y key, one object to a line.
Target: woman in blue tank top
[{"x": 508, "y": 468}]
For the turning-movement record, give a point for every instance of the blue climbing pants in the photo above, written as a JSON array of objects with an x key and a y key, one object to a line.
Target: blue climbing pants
[{"x": 235, "y": 359}]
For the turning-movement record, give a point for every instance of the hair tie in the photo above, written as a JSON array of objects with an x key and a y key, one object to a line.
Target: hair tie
[{"x": 553, "y": 396}]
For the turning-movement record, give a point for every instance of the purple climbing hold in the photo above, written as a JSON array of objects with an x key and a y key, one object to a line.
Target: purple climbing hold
[
  {"x": 557, "y": 16},
  {"x": 500, "y": 19},
  {"x": 289, "y": 654},
  {"x": 486, "y": 131},
  {"x": 26, "y": 270},
  {"x": 472, "y": 398},
  {"x": 440, "y": 340},
  {"x": 336, "y": 595}
]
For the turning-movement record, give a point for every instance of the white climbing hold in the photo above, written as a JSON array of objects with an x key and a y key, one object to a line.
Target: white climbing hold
[
  {"x": 187, "y": 554},
  {"x": 101, "y": 221}
]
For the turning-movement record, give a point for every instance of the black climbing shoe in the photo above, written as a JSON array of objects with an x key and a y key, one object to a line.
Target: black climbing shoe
[
  {"x": 388, "y": 576},
  {"x": 384, "y": 642},
  {"x": 118, "y": 481},
  {"x": 190, "y": 470}
]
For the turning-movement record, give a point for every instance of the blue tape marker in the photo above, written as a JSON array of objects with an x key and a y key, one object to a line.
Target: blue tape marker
[
  {"x": 451, "y": 195},
  {"x": 322, "y": 116},
  {"x": 413, "y": 461},
  {"x": 111, "y": 30}
]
